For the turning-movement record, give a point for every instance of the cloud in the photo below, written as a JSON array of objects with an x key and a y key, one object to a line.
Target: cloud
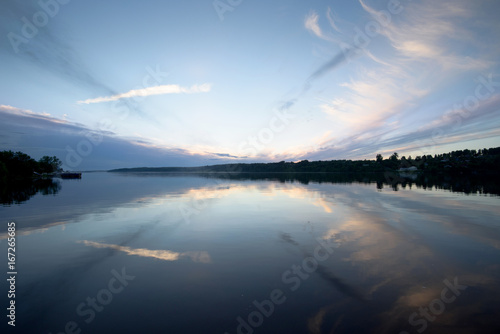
[
  {"x": 440, "y": 33},
  {"x": 155, "y": 90},
  {"x": 225, "y": 155},
  {"x": 373, "y": 119},
  {"x": 311, "y": 24},
  {"x": 333, "y": 63},
  {"x": 83, "y": 148},
  {"x": 456, "y": 126},
  {"x": 36, "y": 120},
  {"x": 407, "y": 75},
  {"x": 347, "y": 52},
  {"x": 330, "y": 16}
]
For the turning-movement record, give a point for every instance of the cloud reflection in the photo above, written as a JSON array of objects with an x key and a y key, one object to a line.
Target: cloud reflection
[{"x": 166, "y": 255}]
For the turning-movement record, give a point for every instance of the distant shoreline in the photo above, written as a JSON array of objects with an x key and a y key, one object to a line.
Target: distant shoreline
[{"x": 485, "y": 161}]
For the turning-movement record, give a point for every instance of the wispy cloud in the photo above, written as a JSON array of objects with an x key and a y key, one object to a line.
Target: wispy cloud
[
  {"x": 311, "y": 24},
  {"x": 333, "y": 63},
  {"x": 155, "y": 90},
  {"x": 425, "y": 48},
  {"x": 226, "y": 155},
  {"x": 437, "y": 33},
  {"x": 452, "y": 127},
  {"x": 330, "y": 16}
]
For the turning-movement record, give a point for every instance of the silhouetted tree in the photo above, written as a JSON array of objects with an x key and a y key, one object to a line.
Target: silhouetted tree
[
  {"x": 18, "y": 164},
  {"x": 48, "y": 164}
]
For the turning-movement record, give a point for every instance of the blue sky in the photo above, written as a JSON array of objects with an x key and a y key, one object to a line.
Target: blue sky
[{"x": 177, "y": 83}]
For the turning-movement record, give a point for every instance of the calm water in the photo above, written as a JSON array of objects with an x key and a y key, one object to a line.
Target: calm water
[{"x": 187, "y": 254}]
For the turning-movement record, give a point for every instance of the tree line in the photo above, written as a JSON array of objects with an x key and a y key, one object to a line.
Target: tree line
[
  {"x": 475, "y": 161},
  {"x": 19, "y": 165},
  {"x": 16, "y": 165}
]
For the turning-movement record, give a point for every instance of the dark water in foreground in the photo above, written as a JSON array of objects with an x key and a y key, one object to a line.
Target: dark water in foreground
[{"x": 187, "y": 254}]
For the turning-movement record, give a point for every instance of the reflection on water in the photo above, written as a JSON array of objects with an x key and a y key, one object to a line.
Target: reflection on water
[
  {"x": 22, "y": 190},
  {"x": 262, "y": 254},
  {"x": 468, "y": 184},
  {"x": 157, "y": 254}
]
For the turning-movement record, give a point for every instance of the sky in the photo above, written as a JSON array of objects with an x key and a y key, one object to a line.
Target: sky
[{"x": 113, "y": 84}]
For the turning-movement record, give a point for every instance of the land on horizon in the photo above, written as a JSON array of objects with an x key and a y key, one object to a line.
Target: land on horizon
[{"x": 483, "y": 160}]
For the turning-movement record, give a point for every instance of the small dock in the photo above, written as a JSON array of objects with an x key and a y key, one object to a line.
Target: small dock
[{"x": 70, "y": 175}]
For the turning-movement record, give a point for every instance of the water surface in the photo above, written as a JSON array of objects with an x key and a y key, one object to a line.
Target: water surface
[{"x": 125, "y": 253}]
